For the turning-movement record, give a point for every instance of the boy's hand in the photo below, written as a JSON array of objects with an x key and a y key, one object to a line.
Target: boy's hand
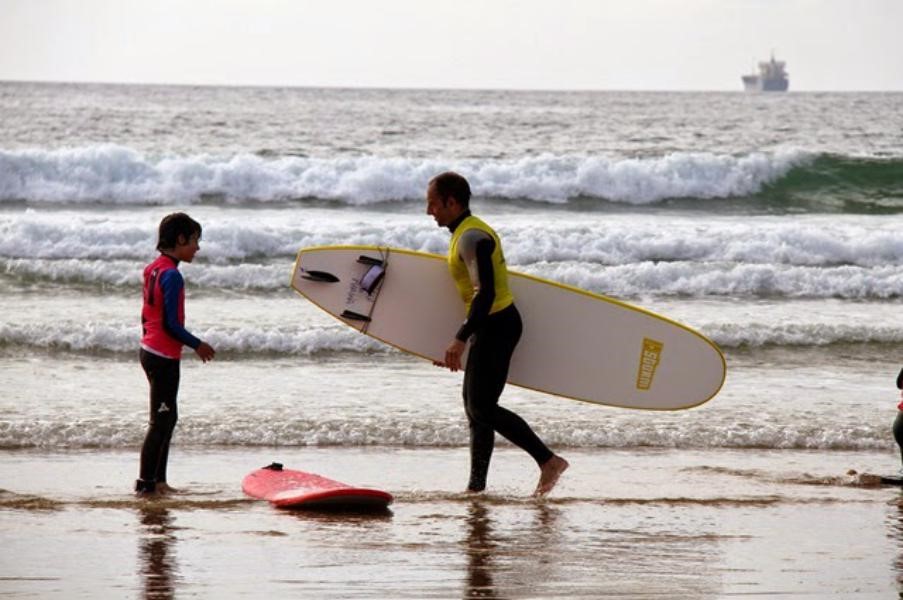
[{"x": 205, "y": 351}]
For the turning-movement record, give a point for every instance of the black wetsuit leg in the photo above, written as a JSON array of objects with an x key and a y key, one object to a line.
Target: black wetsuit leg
[
  {"x": 488, "y": 360},
  {"x": 898, "y": 431},
  {"x": 163, "y": 377}
]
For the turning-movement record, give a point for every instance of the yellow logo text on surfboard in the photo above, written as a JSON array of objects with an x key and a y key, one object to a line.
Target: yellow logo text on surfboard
[{"x": 649, "y": 359}]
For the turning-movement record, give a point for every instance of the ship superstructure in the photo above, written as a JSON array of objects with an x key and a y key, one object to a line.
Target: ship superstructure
[{"x": 772, "y": 77}]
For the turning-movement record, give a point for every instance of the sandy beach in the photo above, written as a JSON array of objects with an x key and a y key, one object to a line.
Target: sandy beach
[{"x": 622, "y": 524}]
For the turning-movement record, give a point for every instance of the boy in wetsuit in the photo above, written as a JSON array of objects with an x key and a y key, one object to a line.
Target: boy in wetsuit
[
  {"x": 493, "y": 327},
  {"x": 164, "y": 334}
]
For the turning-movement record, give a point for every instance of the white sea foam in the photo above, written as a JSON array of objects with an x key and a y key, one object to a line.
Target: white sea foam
[
  {"x": 115, "y": 174},
  {"x": 92, "y": 337},
  {"x": 682, "y": 279},
  {"x": 737, "y": 334},
  {"x": 610, "y": 241},
  {"x": 261, "y": 429},
  {"x": 727, "y": 279},
  {"x": 249, "y": 235},
  {"x": 306, "y": 339}
]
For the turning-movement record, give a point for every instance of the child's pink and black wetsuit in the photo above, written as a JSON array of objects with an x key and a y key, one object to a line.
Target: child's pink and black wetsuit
[{"x": 164, "y": 334}]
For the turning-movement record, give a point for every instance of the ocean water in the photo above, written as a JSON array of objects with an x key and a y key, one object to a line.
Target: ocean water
[
  {"x": 773, "y": 224},
  {"x": 769, "y": 223}
]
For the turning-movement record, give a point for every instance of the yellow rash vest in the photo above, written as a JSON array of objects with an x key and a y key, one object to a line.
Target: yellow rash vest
[{"x": 458, "y": 269}]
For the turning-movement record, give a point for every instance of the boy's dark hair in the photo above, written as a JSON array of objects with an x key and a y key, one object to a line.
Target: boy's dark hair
[
  {"x": 452, "y": 184},
  {"x": 175, "y": 225}
]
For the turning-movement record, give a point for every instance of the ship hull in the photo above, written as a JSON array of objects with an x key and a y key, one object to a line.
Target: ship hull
[
  {"x": 756, "y": 84},
  {"x": 774, "y": 85}
]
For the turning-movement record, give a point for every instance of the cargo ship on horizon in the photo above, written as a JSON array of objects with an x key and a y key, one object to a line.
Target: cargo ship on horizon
[{"x": 772, "y": 77}]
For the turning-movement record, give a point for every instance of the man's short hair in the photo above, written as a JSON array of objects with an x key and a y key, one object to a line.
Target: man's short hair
[
  {"x": 450, "y": 184},
  {"x": 174, "y": 225}
]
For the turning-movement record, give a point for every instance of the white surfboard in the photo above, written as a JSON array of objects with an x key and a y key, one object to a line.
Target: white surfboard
[{"x": 575, "y": 344}]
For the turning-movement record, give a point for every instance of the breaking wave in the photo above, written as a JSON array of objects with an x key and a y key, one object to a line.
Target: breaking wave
[{"x": 113, "y": 174}]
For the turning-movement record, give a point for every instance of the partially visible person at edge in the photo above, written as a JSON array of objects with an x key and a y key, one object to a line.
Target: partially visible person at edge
[
  {"x": 164, "y": 334},
  {"x": 898, "y": 421},
  {"x": 493, "y": 327}
]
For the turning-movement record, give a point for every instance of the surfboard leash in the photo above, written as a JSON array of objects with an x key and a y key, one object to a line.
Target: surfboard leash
[{"x": 384, "y": 259}]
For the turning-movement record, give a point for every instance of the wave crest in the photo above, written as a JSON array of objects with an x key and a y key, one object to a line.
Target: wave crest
[{"x": 115, "y": 174}]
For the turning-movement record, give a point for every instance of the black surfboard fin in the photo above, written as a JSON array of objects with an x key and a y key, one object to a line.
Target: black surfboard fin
[
  {"x": 353, "y": 316},
  {"x": 369, "y": 260},
  {"x": 321, "y": 276}
]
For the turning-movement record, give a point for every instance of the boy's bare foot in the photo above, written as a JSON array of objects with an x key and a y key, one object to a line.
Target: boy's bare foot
[
  {"x": 549, "y": 473},
  {"x": 145, "y": 489}
]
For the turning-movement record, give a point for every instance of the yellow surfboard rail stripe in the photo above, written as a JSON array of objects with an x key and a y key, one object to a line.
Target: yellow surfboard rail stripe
[{"x": 392, "y": 250}]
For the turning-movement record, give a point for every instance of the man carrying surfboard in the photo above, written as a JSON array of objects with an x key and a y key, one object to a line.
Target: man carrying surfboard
[
  {"x": 163, "y": 335},
  {"x": 493, "y": 327}
]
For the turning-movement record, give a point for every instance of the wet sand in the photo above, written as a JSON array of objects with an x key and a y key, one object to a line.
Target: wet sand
[{"x": 621, "y": 524}]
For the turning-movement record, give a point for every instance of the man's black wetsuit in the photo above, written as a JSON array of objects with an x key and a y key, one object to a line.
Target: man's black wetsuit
[{"x": 493, "y": 338}]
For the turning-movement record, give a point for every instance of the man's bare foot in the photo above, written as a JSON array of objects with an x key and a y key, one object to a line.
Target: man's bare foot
[
  {"x": 165, "y": 489},
  {"x": 549, "y": 473}
]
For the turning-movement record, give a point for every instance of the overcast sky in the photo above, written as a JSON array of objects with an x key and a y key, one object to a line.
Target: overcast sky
[{"x": 522, "y": 44}]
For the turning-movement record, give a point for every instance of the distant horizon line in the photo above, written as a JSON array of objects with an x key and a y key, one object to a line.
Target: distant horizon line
[{"x": 432, "y": 88}]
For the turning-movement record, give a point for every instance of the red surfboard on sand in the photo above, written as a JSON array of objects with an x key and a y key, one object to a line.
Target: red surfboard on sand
[{"x": 287, "y": 488}]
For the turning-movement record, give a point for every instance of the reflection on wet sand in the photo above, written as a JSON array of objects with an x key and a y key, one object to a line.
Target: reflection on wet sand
[
  {"x": 522, "y": 553},
  {"x": 896, "y": 533},
  {"x": 479, "y": 548},
  {"x": 157, "y": 560}
]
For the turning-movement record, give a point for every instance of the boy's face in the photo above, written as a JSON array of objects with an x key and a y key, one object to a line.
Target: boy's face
[{"x": 186, "y": 249}]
